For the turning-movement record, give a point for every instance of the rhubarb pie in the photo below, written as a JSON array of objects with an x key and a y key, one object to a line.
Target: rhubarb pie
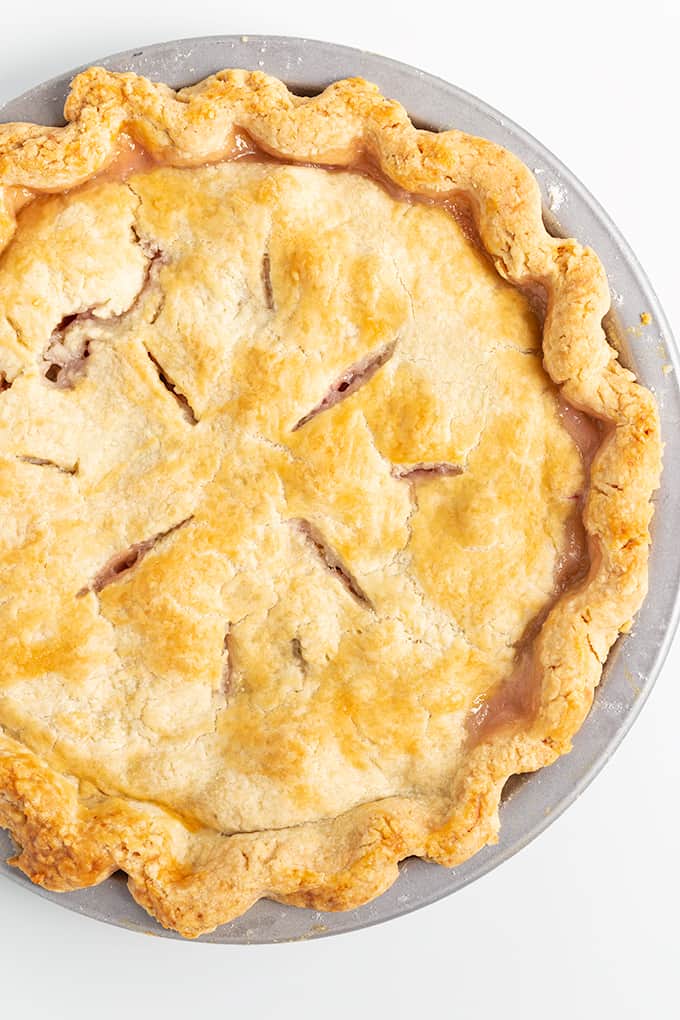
[{"x": 323, "y": 495}]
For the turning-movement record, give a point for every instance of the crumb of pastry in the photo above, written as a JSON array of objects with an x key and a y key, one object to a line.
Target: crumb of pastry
[{"x": 556, "y": 197}]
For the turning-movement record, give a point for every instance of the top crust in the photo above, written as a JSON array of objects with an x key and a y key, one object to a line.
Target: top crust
[{"x": 193, "y": 878}]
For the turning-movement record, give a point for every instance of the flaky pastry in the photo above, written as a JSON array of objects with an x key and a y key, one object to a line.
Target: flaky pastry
[{"x": 324, "y": 496}]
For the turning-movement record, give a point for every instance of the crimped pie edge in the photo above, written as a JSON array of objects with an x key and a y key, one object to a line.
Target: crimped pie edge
[{"x": 193, "y": 881}]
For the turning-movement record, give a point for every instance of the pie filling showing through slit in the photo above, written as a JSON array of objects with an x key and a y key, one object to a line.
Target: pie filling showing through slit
[{"x": 292, "y": 497}]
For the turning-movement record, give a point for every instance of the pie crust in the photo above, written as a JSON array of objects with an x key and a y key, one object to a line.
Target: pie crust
[{"x": 292, "y": 574}]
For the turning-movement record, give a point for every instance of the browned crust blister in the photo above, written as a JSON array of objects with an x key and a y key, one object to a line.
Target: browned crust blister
[{"x": 194, "y": 880}]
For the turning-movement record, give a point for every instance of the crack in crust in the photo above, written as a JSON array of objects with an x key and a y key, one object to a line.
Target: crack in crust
[
  {"x": 66, "y": 842},
  {"x": 64, "y": 366}
]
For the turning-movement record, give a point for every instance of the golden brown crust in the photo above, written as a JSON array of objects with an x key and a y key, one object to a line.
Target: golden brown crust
[{"x": 194, "y": 878}]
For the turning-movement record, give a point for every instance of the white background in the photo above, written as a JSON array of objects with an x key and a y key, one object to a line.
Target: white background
[{"x": 584, "y": 922}]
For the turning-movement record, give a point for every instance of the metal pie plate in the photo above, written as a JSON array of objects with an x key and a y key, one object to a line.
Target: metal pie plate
[{"x": 530, "y": 803}]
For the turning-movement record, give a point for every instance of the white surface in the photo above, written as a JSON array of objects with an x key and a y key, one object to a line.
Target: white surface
[{"x": 584, "y": 921}]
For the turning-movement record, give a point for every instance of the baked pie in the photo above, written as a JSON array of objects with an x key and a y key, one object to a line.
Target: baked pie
[{"x": 323, "y": 494}]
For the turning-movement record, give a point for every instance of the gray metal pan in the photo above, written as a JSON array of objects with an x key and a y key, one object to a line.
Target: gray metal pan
[{"x": 532, "y": 802}]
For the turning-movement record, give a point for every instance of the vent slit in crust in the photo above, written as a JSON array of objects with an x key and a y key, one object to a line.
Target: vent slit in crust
[
  {"x": 267, "y": 281},
  {"x": 122, "y": 563},
  {"x": 332, "y": 561},
  {"x": 227, "y": 662},
  {"x": 45, "y": 462},
  {"x": 182, "y": 402},
  {"x": 298, "y": 655},
  {"x": 422, "y": 471},
  {"x": 349, "y": 382}
]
